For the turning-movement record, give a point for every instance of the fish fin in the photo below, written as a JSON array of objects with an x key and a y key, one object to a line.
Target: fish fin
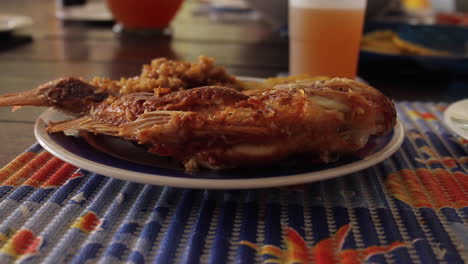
[
  {"x": 23, "y": 98},
  {"x": 156, "y": 121},
  {"x": 84, "y": 123},
  {"x": 15, "y": 108},
  {"x": 232, "y": 130},
  {"x": 171, "y": 123}
]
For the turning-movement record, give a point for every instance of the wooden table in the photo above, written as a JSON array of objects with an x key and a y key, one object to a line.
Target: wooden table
[{"x": 58, "y": 49}]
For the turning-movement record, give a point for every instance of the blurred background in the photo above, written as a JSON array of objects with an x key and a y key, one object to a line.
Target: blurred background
[{"x": 249, "y": 37}]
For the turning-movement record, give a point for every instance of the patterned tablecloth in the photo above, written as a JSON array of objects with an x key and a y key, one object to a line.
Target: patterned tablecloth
[{"x": 412, "y": 208}]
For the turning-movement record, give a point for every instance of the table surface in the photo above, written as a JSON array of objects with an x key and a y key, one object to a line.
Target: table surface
[{"x": 50, "y": 49}]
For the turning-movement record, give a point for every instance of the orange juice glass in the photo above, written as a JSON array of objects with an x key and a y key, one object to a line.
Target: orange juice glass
[{"x": 325, "y": 36}]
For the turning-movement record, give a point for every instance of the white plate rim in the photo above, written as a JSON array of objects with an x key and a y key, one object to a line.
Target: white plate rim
[
  {"x": 51, "y": 146},
  {"x": 450, "y": 123}
]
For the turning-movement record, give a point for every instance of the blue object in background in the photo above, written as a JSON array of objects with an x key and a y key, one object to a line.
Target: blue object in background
[{"x": 452, "y": 39}]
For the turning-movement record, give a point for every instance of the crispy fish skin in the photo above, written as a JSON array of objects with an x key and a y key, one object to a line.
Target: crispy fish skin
[{"x": 218, "y": 127}]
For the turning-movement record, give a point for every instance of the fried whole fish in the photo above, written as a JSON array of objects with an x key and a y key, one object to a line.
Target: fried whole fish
[{"x": 217, "y": 127}]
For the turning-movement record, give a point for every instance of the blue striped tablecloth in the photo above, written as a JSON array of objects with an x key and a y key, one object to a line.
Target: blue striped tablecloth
[{"x": 412, "y": 208}]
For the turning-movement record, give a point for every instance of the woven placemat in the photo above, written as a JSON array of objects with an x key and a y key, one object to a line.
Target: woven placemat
[{"x": 411, "y": 208}]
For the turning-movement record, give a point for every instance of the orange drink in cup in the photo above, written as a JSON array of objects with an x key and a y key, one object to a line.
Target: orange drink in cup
[{"x": 325, "y": 36}]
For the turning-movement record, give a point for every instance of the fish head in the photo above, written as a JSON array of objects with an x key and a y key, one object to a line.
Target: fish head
[{"x": 71, "y": 95}]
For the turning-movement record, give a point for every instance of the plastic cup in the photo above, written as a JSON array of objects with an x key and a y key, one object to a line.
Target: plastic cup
[{"x": 325, "y": 36}]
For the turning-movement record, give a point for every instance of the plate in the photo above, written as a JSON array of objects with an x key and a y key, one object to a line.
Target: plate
[
  {"x": 11, "y": 22},
  {"x": 89, "y": 12},
  {"x": 456, "y": 118},
  {"x": 440, "y": 37},
  {"x": 110, "y": 156}
]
